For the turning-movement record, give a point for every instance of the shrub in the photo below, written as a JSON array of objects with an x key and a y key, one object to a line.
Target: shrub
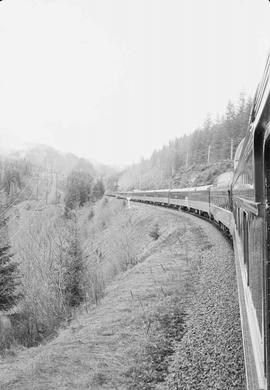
[
  {"x": 105, "y": 202},
  {"x": 155, "y": 232},
  {"x": 98, "y": 190},
  {"x": 6, "y": 336},
  {"x": 91, "y": 214}
]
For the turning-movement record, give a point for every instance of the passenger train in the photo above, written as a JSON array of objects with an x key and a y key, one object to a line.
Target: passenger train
[{"x": 241, "y": 208}]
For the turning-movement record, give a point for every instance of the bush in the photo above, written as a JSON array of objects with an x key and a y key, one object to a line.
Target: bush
[
  {"x": 155, "y": 232},
  {"x": 105, "y": 202},
  {"x": 98, "y": 190},
  {"x": 91, "y": 214},
  {"x": 6, "y": 334}
]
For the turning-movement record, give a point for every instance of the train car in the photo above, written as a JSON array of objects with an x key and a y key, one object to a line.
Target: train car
[
  {"x": 250, "y": 198},
  {"x": 221, "y": 201},
  {"x": 158, "y": 197},
  {"x": 194, "y": 199}
]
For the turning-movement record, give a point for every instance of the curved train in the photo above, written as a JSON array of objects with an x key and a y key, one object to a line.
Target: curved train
[{"x": 241, "y": 208}]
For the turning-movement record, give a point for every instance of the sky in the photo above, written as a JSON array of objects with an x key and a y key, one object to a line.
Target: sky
[{"x": 113, "y": 80}]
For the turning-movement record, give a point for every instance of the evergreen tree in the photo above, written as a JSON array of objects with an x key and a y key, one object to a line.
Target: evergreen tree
[
  {"x": 74, "y": 273},
  {"x": 79, "y": 189},
  {"x": 8, "y": 280},
  {"x": 98, "y": 190}
]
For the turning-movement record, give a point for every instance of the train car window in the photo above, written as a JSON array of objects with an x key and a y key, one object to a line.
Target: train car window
[
  {"x": 246, "y": 243},
  {"x": 248, "y": 171},
  {"x": 246, "y": 179},
  {"x": 244, "y": 184},
  {"x": 237, "y": 219},
  {"x": 258, "y": 163}
]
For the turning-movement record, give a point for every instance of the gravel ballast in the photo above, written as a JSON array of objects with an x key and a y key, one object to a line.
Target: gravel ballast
[{"x": 210, "y": 355}]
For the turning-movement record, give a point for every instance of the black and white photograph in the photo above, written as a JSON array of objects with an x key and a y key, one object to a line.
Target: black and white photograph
[{"x": 134, "y": 195}]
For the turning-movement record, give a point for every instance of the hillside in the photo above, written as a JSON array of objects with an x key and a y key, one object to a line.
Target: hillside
[
  {"x": 40, "y": 172},
  {"x": 48, "y": 158},
  {"x": 200, "y": 174},
  {"x": 40, "y": 241}
]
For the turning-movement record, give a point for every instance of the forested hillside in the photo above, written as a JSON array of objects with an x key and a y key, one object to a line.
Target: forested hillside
[
  {"x": 208, "y": 149},
  {"x": 41, "y": 259},
  {"x": 41, "y": 173}
]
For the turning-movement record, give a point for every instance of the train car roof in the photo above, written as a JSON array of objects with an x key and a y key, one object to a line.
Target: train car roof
[
  {"x": 192, "y": 189},
  {"x": 147, "y": 191},
  {"x": 162, "y": 190}
]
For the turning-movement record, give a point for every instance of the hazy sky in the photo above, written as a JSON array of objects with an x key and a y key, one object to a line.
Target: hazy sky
[{"x": 113, "y": 80}]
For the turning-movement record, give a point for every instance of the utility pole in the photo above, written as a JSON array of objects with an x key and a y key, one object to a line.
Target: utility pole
[
  {"x": 231, "y": 148},
  {"x": 209, "y": 151}
]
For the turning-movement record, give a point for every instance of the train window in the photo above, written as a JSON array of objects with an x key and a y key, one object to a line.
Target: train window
[
  {"x": 248, "y": 171},
  {"x": 241, "y": 223},
  {"x": 246, "y": 179},
  {"x": 238, "y": 219},
  {"x": 246, "y": 243},
  {"x": 258, "y": 159}
]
